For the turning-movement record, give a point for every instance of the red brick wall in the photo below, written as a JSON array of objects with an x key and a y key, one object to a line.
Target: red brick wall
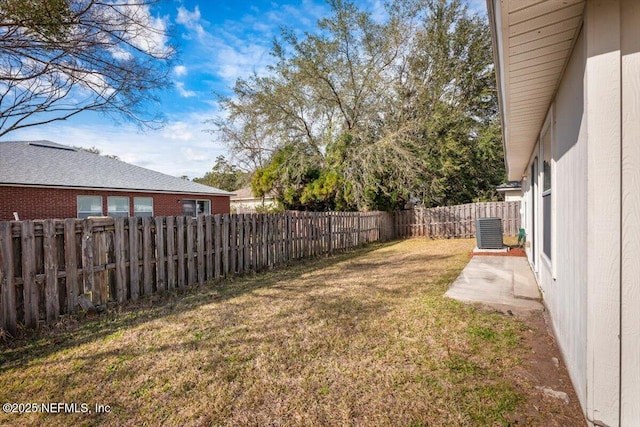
[{"x": 45, "y": 203}]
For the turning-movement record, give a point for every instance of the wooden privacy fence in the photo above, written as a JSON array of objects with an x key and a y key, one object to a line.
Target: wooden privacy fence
[
  {"x": 54, "y": 267},
  {"x": 455, "y": 221}
]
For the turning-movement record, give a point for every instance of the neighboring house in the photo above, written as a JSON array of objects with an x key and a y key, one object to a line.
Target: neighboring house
[
  {"x": 245, "y": 202},
  {"x": 42, "y": 179},
  {"x": 511, "y": 191},
  {"x": 569, "y": 89}
]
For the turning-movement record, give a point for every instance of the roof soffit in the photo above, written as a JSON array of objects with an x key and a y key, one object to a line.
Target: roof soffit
[{"x": 536, "y": 40}]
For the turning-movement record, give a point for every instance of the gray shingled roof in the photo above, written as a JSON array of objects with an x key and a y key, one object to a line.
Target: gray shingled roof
[{"x": 45, "y": 163}]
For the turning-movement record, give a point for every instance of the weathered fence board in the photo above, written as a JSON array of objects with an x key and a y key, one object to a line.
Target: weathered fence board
[
  {"x": 134, "y": 267},
  {"x": 49, "y": 268},
  {"x": 171, "y": 259},
  {"x": 8, "y": 294},
  {"x": 455, "y": 221},
  {"x": 200, "y": 248},
  {"x": 52, "y": 302},
  {"x": 29, "y": 285},
  {"x": 161, "y": 280},
  {"x": 180, "y": 251},
  {"x": 121, "y": 260},
  {"x": 217, "y": 244},
  {"x": 147, "y": 253}
]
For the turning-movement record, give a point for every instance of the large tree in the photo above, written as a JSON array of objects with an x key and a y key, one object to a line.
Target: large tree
[
  {"x": 224, "y": 175},
  {"x": 369, "y": 115},
  {"x": 61, "y": 57}
]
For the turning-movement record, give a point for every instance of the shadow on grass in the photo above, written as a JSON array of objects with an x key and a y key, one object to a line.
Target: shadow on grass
[{"x": 76, "y": 330}]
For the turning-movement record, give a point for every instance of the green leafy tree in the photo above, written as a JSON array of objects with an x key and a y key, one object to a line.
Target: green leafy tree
[
  {"x": 224, "y": 176},
  {"x": 370, "y": 115}
]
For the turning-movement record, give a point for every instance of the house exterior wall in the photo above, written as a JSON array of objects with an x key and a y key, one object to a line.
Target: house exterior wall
[
  {"x": 512, "y": 196},
  {"x": 44, "y": 203},
  {"x": 563, "y": 278},
  {"x": 630, "y": 216},
  {"x": 591, "y": 283},
  {"x": 603, "y": 111},
  {"x": 251, "y": 205}
]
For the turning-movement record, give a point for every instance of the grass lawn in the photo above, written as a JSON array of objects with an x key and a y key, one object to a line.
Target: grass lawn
[{"x": 364, "y": 338}]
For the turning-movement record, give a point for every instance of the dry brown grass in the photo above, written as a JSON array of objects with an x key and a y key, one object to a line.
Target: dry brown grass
[{"x": 359, "y": 339}]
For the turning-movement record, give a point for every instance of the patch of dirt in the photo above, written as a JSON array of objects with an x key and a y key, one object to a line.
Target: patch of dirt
[
  {"x": 519, "y": 252},
  {"x": 543, "y": 367}
]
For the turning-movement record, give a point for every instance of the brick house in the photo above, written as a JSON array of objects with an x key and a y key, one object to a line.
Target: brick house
[{"x": 42, "y": 179}]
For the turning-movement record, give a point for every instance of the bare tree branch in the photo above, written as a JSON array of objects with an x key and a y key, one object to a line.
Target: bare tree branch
[{"x": 61, "y": 57}]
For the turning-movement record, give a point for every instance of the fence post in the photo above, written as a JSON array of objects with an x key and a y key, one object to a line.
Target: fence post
[
  {"x": 161, "y": 283},
  {"x": 191, "y": 266},
  {"x": 146, "y": 255},
  {"x": 134, "y": 267},
  {"x": 180, "y": 251},
  {"x": 7, "y": 280},
  {"x": 240, "y": 250},
  {"x": 50, "y": 252},
  {"x": 217, "y": 244},
  {"x": 254, "y": 242},
  {"x": 70, "y": 263},
  {"x": 171, "y": 263},
  {"x": 225, "y": 245},
  {"x": 121, "y": 262},
  {"x": 29, "y": 287},
  {"x": 208, "y": 237},
  {"x": 87, "y": 259},
  {"x": 330, "y": 234},
  {"x": 200, "y": 248}
]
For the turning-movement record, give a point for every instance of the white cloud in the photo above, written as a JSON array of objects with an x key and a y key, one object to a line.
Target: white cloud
[
  {"x": 180, "y": 70},
  {"x": 379, "y": 12},
  {"x": 120, "y": 54},
  {"x": 178, "y": 131},
  {"x": 185, "y": 93},
  {"x": 180, "y": 148},
  {"x": 241, "y": 61},
  {"x": 478, "y": 6},
  {"x": 238, "y": 48},
  {"x": 139, "y": 27},
  {"x": 191, "y": 20},
  {"x": 194, "y": 155}
]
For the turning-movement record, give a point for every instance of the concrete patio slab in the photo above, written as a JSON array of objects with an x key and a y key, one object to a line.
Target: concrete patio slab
[{"x": 503, "y": 283}]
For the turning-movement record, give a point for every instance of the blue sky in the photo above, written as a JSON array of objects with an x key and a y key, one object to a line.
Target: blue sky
[{"x": 218, "y": 41}]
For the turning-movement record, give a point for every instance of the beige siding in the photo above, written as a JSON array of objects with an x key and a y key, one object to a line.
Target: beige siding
[
  {"x": 592, "y": 284},
  {"x": 630, "y": 287},
  {"x": 566, "y": 296},
  {"x": 602, "y": 28}
]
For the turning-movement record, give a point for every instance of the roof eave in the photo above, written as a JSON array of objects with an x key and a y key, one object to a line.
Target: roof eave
[
  {"x": 131, "y": 190},
  {"x": 497, "y": 60}
]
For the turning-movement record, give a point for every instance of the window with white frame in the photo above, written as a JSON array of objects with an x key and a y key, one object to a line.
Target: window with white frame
[
  {"x": 89, "y": 206},
  {"x": 143, "y": 206},
  {"x": 118, "y": 206},
  {"x": 546, "y": 193},
  {"x": 191, "y": 207},
  {"x": 204, "y": 207}
]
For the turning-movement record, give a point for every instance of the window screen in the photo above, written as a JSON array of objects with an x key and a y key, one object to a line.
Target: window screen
[
  {"x": 188, "y": 207},
  {"x": 89, "y": 206},
  {"x": 118, "y": 206},
  {"x": 143, "y": 206},
  {"x": 204, "y": 207}
]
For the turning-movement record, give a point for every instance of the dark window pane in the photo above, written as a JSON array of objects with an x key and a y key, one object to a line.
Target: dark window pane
[
  {"x": 189, "y": 207},
  {"x": 546, "y": 213}
]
